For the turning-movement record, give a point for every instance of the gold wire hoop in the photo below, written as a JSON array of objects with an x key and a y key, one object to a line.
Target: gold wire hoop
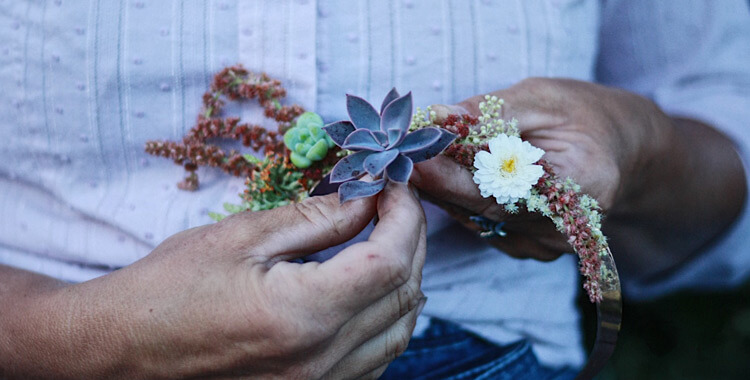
[{"x": 608, "y": 318}]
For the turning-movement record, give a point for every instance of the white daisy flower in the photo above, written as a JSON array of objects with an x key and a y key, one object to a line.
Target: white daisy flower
[{"x": 507, "y": 172}]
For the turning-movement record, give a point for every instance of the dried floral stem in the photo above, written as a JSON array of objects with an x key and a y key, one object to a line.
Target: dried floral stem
[
  {"x": 233, "y": 83},
  {"x": 572, "y": 213}
]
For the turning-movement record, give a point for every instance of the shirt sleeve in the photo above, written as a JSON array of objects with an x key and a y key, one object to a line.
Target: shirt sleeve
[{"x": 692, "y": 57}]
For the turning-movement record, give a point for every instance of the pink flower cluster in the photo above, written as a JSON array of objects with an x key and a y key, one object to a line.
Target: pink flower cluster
[{"x": 564, "y": 203}]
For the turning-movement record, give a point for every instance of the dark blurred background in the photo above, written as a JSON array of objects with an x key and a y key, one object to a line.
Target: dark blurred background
[
  {"x": 687, "y": 336},
  {"x": 684, "y": 336}
]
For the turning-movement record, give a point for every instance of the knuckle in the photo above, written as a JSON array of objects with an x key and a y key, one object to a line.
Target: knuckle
[
  {"x": 311, "y": 210},
  {"x": 550, "y": 89},
  {"x": 490, "y": 209},
  {"x": 390, "y": 268},
  {"x": 396, "y": 270},
  {"x": 407, "y": 297},
  {"x": 241, "y": 227},
  {"x": 535, "y": 82},
  {"x": 317, "y": 212}
]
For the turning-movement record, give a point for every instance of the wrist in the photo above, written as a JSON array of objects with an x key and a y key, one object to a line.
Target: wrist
[
  {"x": 688, "y": 188},
  {"x": 61, "y": 333},
  {"x": 651, "y": 143}
]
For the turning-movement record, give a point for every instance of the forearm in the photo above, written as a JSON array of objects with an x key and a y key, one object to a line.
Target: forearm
[
  {"x": 48, "y": 331},
  {"x": 681, "y": 199}
]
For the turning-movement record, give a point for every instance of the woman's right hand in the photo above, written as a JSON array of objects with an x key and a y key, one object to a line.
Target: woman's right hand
[{"x": 223, "y": 301}]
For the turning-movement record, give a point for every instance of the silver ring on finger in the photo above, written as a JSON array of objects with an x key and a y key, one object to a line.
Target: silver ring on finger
[{"x": 489, "y": 228}]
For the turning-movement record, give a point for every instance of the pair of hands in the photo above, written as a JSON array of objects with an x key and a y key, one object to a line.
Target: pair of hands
[{"x": 222, "y": 301}]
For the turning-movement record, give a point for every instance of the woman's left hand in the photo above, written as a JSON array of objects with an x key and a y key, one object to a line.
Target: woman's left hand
[{"x": 622, "y": 150}]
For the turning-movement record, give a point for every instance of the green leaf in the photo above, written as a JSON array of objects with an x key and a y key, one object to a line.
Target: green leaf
[
  {"x": 302, "y": 148},
  {"x": 318, "y": 151},
  {"x": 216, "y": 216},
  {"x": 309, "y": 119},
  {"x": 291, "y": 137},
  {"x": 317, "y": 132},
  {"x": 303, "y": 134},
  {"x": 251, "y": 159},
  {"x": 300, "y": 161},
  {"x": 233, "y": 209}
]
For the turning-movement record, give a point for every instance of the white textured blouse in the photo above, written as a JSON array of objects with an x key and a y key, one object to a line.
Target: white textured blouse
[{"x": 86, "y": 83}]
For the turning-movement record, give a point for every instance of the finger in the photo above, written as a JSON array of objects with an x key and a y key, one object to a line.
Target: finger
[
  {"x": 529, "y": 235},
  {"x": 335, "y": 301},
  {"x": 523, "y": 247},
  {"x": 446, "y": 180},
  {"x": 375, "y": 354},
  {"x": 384, "y": 312},
  {"x": 366, "y": 272},
  {"x": 534, "y": 102},
  {"x": 302, "y": 228},
  {"x": 532, "y": 240},
  {"x": 376, "y": 373}
]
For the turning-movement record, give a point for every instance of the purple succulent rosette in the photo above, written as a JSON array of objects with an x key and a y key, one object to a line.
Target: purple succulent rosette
[{"x": 382, "y": 144}]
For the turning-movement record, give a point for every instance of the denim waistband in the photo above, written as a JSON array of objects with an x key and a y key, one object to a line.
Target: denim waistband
[{"x": 446, "y": 351}]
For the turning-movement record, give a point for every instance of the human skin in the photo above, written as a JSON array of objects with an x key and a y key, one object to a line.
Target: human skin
[
  {"x": 222, "y": 301},
  {"x": 668, "y": 186}
]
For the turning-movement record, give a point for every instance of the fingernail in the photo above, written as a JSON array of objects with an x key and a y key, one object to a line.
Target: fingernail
[{"x": 420, "y": 307}]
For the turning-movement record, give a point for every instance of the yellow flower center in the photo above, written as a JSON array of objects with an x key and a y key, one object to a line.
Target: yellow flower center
[{"x": 509, "y": 165}]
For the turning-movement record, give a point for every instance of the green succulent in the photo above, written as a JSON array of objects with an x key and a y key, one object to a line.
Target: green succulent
[{"x": 307, "y": 140}]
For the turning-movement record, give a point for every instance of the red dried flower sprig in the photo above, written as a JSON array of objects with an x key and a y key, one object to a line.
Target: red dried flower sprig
[
  {"x": 460, "y": 151},
  {"x": 573, "y": 220},
  {"x": 236, "y": 82},
  {"x": 233, "y": 83}
]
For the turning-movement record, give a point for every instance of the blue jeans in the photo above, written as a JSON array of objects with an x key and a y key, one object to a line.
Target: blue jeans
[{"x": 446, "y": 351}]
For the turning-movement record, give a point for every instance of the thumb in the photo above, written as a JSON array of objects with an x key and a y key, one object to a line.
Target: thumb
[{"x": 312, "y": 225}]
